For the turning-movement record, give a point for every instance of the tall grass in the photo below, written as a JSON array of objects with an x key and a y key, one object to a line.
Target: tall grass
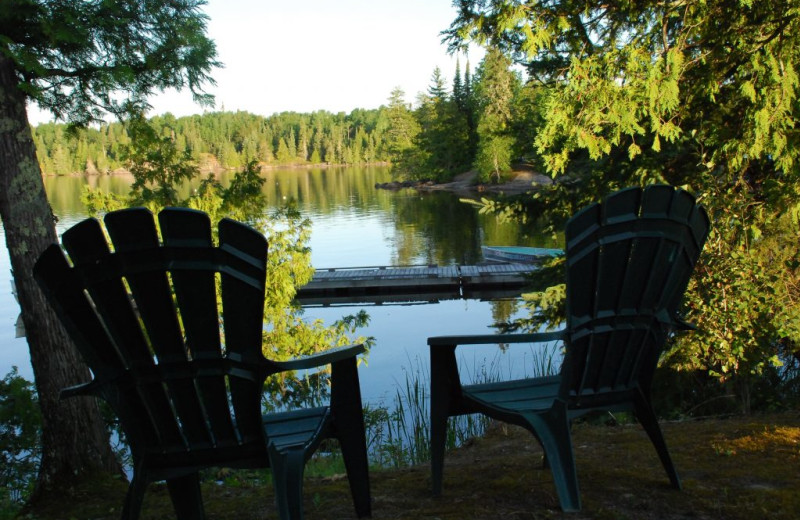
[{"x": 400, "y": 436}]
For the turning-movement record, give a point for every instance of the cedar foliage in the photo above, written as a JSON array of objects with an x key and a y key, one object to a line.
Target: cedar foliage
[{"x": 695, "y": 94}]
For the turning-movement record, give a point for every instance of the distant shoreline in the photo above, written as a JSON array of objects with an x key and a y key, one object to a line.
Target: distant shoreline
[
  {"x": 217, "y": 169},
  {"x": 520, "y": 181}
]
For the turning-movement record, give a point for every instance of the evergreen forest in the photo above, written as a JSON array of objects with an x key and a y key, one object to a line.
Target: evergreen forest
[
  {"x": 445, "y": 131},
  {"x": 221, "y": 140}
]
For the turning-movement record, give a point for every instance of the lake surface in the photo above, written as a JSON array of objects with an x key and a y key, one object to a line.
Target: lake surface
[{"x": 354, "y": 225}]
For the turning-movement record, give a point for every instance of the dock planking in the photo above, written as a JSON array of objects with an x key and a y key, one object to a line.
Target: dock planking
[{"x": 452, "y": 280}]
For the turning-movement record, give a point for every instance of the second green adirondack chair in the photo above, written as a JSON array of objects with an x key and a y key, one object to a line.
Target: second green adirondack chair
[{"x": 629, "y": 260}]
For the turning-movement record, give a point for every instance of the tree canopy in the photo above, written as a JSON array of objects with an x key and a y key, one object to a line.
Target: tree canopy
[
  {"x": 715, "y": 78},
  {"x": 695, "y": 94},
  {"x": 79, "y": 59}
]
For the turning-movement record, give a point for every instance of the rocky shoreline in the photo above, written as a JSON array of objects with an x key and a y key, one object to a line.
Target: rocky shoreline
[{"x": 521, "y": 181}]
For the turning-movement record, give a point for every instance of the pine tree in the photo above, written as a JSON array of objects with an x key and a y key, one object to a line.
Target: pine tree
[
  {"x": 302, "y": 143},
  {"x": 291, "y": 144},
  {"x": 283, "y": 155},
  {"x": 495, "y": 94},
  {"x": 459, "y": 94},
  {"x": 469, "y": 112},
  {"x": 402, "y": 127},
  {"x": 443, "y": 136},
  {"x": 458, "y": 123},
  {"x": 437, "y": 90}
]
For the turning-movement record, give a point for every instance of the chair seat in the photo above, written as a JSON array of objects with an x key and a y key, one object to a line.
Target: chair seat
[
  {"x": 520, "y": 395},
  {"x": 297, "y": 428}
]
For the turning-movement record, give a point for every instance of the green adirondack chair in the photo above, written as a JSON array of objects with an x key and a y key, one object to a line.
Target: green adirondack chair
[
  {"x": 628, "y": 263},
  {"x": 184, "y": 376}
]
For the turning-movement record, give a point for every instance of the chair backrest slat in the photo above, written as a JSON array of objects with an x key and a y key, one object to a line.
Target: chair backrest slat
[
  {"x": 196, "y": 297},
  {"x": 87, "y": 247},
  {"x": 134, "y": 230},
  {"x": 243, "y": 319},
  {"x": 628, "y": 263}
]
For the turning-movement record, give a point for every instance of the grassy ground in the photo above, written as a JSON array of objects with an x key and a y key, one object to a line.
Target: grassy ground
[{"x": 733, "y": 468}]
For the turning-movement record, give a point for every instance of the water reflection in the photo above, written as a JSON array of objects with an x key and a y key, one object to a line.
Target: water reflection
[
  {"x": 353, "y": 225},
  {"x": 401, "y": 333},
  {"x": 65, "y": 192}
]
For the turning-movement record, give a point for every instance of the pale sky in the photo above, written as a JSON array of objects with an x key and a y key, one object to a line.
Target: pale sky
[{"x": 312, "y": 55}]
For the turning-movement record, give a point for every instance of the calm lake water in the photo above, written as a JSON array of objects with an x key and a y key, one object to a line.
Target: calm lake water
[{"x": 354, "y": 224}]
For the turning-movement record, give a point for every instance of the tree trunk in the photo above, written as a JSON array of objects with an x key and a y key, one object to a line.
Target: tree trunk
[{"x": 74, "y": 439}]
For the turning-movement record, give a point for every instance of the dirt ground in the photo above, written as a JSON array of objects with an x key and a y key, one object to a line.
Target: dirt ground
[{"x": 731, "y": 468}]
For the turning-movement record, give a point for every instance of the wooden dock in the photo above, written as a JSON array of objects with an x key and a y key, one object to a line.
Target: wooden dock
[{"x": 420, "y": 282}]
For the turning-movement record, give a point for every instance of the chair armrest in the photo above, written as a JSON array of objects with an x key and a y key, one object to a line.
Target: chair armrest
[
  {"x": 322, "y": 358},
  {"x": 86, "y": 389},
  {"x": 681, "y": 324},
  {"x": 674, "y": 321},
  {"x": 482, "y": 339}
]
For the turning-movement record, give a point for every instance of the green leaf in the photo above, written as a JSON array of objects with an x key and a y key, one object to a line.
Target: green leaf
[
  {"x": 633, "y": 150},
  {"x": 748, "y": 90}
]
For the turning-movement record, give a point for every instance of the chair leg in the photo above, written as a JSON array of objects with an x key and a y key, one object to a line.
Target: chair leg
[
  {"x": 552, "y": 429},
  {"x": 287, "y": 476},
  {"x": 186, "y": 497},
  {"x": 132, "y": 508},
  {"x": 647, "y": 418},
  {"x": 354, "y": 451},
  {"x": 444, "y": 381},
  {"x": 349, "y": 418},
  {"x": 438, "y": 442}
]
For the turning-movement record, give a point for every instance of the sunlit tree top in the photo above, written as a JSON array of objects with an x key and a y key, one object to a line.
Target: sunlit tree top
[{"x": 80, "y": 59}]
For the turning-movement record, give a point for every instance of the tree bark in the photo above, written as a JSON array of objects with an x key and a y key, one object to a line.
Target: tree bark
[{"x": 74, "y": 440}]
